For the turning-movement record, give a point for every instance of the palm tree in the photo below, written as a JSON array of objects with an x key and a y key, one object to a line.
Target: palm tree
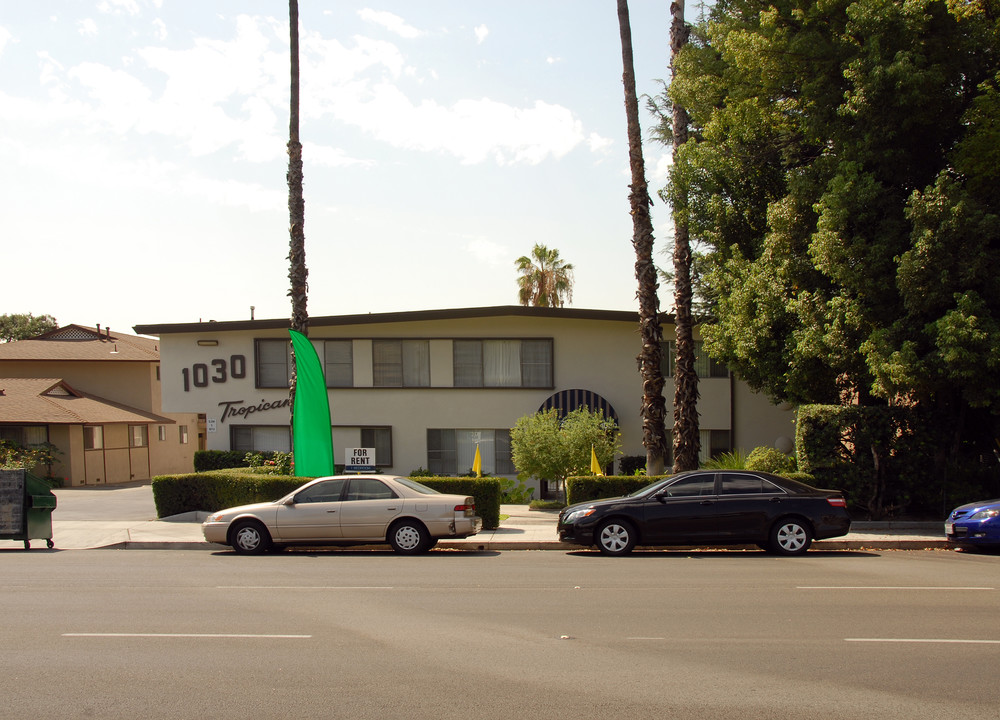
[
  {"x": 546, "y": 280},
  {"x": 686, "y": 439},
  {"x": 653, "y": 408},
  {"x": 297, "y": 272}
]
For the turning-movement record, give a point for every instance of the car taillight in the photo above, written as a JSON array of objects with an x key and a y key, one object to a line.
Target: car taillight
[
  {"x": 837, "y": 502},
  {"x": 469, "y": 509}
]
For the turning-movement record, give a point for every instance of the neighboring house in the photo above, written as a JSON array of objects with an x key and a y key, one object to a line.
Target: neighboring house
[
  {"x": 423, "y": 388},
  {"x": 95, "y": 395}
]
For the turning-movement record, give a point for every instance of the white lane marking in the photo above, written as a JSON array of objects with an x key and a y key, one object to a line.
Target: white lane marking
[
  {"x": 924, "y": 640},
  {"x": 188, "y": 635},
  {"x": 302, "y": 587},
  {"x": 886, "y": 587}
]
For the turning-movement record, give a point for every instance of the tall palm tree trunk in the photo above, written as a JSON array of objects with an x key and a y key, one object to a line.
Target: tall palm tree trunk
[
  {"x": 297, "y": 272},
  {"x": 685, "y": 437},
  {"x": 653, "y": 407}
]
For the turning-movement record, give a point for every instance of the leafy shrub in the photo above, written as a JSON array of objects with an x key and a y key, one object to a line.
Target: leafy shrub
[
  {"x": 632, "y": 465},
  {"x": 770, "y": 460},
  {"x": 515, "y": 494},
  {"x": 734, "y": 460}
]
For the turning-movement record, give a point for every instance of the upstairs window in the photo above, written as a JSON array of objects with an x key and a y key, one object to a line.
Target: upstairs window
[
  {"x": 704, "y": 366},
  {"x": 401, "y": 363},
  {"x": 274, "y": 362},
  {"x": 503, "y": 363},
  {"x": 338, "y": 367}
]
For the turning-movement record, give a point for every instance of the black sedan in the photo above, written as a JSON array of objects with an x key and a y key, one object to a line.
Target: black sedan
[{"x": 709, "y": 507}]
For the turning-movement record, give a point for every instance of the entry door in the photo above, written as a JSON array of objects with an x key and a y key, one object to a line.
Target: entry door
[{"x": 314, "y": 514}]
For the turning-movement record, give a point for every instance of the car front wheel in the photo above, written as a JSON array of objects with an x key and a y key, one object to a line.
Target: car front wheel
[
  {"x": 250, "y": 538},
  {"x": 790, "y": 537},
  {"x": 616, "y": 537},
  {"x": 409, "y": 537}
]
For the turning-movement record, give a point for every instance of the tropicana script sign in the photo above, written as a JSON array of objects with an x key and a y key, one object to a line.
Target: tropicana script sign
[{"x": 239, "y": 408}]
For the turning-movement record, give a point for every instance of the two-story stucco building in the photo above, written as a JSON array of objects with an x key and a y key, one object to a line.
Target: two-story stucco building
[
  {"x": 95, "y": 396},
  {"x": 425, "y": 387}
]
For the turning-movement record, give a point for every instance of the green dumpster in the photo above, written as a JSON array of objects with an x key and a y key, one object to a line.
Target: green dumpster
[{"x": 26, "y": 505}]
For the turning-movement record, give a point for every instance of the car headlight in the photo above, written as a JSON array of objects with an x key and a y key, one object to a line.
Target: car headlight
[
  {"x": 985, "y": 514},
  {"x": 577, "y": 515},
  {"x": 215, "y": 517}
]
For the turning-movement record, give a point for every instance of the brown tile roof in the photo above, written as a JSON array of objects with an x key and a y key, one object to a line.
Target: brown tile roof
[
  {"x": 77, "y": 342},
  {"x": 52, "y": 402}
]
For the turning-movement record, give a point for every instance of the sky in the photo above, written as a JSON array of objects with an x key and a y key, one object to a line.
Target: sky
[{"x": 143, "y": 154}]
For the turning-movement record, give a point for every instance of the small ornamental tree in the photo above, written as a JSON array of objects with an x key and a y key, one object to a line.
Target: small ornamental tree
[{"x": 546, "y": 447}]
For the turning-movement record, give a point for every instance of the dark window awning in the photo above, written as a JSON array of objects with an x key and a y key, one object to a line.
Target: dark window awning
[{"x": 567, "y": 401}]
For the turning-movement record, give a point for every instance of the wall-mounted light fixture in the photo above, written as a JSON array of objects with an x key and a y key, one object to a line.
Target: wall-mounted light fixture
[{"x": 208, "y": 343}]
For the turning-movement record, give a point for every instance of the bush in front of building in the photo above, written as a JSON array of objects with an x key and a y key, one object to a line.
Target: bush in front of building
[
  {"x": 217, "y": 490},
  {"x": 220, "y": 489},
  {"x": 205, "y": 460},
  {"x": 770, "y": 460},
  {"x": 592, "y": 487},
  {"x": 486, "y": 492}
]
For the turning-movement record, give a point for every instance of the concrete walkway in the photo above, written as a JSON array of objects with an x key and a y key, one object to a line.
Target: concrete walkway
[{"x": 121, "y": 517}]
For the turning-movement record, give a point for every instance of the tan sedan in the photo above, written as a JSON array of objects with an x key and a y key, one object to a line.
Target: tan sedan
[{"x": 348, "y": 510}]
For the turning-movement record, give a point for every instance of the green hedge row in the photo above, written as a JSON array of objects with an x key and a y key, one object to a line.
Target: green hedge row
[{"x": 220, "y": 489}]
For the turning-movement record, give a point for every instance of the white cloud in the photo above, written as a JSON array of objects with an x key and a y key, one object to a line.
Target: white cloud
[
  {"x": 392, "y": 23},
  {"x": 553, "y": 60},
  {"x": 160, "y": 32},
  {"x": 117, "y": 7},
  {"x": 5, "y": 37},
  {"x": 481, "y": 32},
  {"x": 87, "y": 27},
  {"x": 599, "y": 144}
]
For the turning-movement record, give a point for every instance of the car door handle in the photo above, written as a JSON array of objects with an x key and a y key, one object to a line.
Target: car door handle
[
  {"x": 391, "y": 509},
  {"x": 331, "y": 511},
  {"x": 708, "y": 502}
]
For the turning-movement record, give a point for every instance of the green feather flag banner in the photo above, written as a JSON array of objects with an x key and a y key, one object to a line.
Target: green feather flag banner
[{"x": 312, "y": 440}]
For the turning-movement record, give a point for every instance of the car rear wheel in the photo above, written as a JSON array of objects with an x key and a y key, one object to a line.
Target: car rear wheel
[
  {"x": 409, "y": 537},
  {"x": 616, "y": 537},
  {"x": 250, "y": 538},
  {"x": 790, "y": 536}
]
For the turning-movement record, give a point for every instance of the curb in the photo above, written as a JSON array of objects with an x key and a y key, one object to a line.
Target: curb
[{"x": 819, "y": 545}]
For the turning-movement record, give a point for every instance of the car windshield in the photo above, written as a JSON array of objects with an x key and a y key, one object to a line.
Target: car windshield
[{"x": 414, "y": 485}]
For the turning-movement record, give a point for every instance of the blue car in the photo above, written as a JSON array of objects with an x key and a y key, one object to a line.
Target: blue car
[{"x": 975, "y": 525}]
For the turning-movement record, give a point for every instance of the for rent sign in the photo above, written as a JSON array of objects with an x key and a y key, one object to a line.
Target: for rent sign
[{"x": 359, "y": 459}]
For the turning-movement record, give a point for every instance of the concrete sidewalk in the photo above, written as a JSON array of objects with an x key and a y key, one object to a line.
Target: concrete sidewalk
[{"x": 120, "y": 517}]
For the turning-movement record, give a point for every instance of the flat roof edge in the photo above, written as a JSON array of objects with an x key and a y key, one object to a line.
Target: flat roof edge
[{"x": 393, "y": 317}]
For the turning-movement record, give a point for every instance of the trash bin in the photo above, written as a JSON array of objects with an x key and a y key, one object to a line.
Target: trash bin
[{"x": 26, "y": 505}]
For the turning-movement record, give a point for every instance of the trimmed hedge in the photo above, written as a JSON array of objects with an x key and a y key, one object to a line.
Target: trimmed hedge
[
  {"x": 220, "y": 489},
  {"x": 587, "y": 488}
]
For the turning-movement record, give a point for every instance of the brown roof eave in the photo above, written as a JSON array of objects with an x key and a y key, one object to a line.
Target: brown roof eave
[{"x": 396, "y": 317}]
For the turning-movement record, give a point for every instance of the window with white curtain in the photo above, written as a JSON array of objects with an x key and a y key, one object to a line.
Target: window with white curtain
[
  {"x": 502, "y": 363},
  {"x": 401, "y": 363},
  {"x": 453, "y": 451}
]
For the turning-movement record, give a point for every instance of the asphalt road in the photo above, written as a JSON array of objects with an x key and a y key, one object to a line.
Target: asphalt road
[{"x": 160, "y": 634}]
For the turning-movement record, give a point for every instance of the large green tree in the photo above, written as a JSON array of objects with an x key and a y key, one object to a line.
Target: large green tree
[
  {"x": 842, "y": 170},
  {"x": 552, "y": 447},
  {"x": 23, "y": 326}
]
